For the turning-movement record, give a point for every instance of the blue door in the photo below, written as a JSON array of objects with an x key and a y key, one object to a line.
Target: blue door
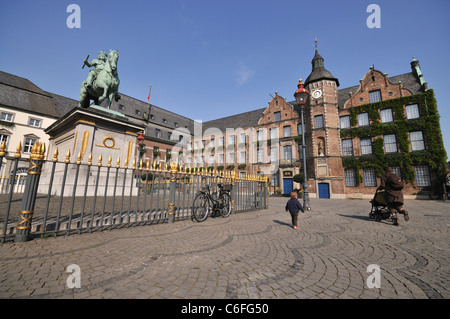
[
  {"x": 324, "y": 190},
  {"x": 287, "y": 185}
]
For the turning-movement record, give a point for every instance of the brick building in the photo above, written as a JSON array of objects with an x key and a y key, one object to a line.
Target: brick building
[{"x": 351, "y": 135}]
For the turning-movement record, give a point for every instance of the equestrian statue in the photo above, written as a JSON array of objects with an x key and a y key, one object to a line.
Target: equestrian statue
[{"x": 102, "y": 81}]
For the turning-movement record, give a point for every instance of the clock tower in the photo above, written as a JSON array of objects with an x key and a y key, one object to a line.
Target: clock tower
[{"x": 325, "y": 170}]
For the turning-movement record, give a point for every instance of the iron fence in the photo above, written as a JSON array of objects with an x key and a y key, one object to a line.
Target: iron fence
[{"x": 64, "y": 197}]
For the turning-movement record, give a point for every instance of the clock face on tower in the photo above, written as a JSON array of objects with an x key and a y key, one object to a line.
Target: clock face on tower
[{"x": 316, "y": 94}]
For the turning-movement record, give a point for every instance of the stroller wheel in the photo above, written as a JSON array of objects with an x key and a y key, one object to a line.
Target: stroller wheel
[{"x": 371, "y": 215}]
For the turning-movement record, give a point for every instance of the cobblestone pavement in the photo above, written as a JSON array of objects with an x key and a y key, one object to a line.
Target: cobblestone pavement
[{"x": 247, "y": 255}]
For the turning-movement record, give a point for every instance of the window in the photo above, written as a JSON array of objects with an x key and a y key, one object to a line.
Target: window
[
  {"x": 28, "y": 144},
  {"x": 277, "y": 116},
  {"x": 386, "y": 115},
  {"x": 366, "y": 146},
  {"x": 121, "y": 107},
  {"x": 242, "y": 157},
  {"x": 273, "y": 154},
  {"x": 363, "y": 119},
  {"x": 212, "y": 143},
  {"x": 300, "y": 152},
  {"x": 345, "y": 121},
  {"x": 242, "y": 138},
  {"x": 137, "y": 112},
  {"x": 350, "y": 177},
  {"x": 259, "y": 135},
  {"x": 370, "y": 179},
  {"x": 34, "y": 122},
  {"x": 273, "y": 133},
  {"x": 232, "y": 140},
  {"x": 4, "y": 137},
  {"x": 221, "y": 141},
  {"x": 274, "y": 179},
  {"x": 211, "y": 161},
  {"x": 169, "y": 135},
  {"x": 221, "y": 159},
  {"x": 230, "y": 158},
  {"x": 318, "y": 121},
  {"x": 375, "y": 96},
  {"x": 422, "y": 175},
  {"x": 158, "y": 133},
  {"x": 397, "y": 171},
  {"x": 287, "y": 154},
  {"x": 299, "y": 129},
  {"x": 259, "y": 155},
  {"x": 416, "y": 139},
  {"x": 390, "y": 143},
  {"x": 7, "y": 117},
  {"x": 347, "y": 147},
  {"x": 287, "y": 131},
  {"x": 412, "y": 111}
]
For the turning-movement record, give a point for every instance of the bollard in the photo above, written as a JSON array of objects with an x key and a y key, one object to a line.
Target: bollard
[{"x": 29, "y": 196}]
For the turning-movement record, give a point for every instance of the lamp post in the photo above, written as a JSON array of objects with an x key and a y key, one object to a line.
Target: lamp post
[{"x": 301, "y": 96}]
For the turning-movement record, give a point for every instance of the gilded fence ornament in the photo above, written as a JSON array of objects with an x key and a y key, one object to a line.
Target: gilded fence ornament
[
  {"x": 3, "y": 149},
  {"x": 118, "y": 162},
  {"x": 18, "y": 150},
  {"x": 37, "y": 155},
  {"x": 90, "y": 159},
  {"x": 55, "y": 155},
  {"x": 67, "y": 157},
  {"x": 100, "y": 160}
]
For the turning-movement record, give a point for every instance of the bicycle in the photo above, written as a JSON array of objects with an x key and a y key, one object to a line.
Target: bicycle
[{"x": 205, "y": 200}]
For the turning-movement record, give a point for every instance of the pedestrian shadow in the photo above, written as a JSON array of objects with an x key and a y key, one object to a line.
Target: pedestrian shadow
[
  {"x": 281, "y": 223},
  {"x": 356, "y": 216}
]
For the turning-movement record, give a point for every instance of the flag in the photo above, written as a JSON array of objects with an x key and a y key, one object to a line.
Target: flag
[{"x": 148, "y": 98}]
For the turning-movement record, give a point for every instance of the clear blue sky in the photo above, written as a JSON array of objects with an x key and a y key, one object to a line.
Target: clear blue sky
[{"x": 208, "y": 59}]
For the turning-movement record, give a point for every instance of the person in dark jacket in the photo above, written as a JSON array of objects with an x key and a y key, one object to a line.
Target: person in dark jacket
[
  {"x": 393, "y": 194},
  {"x": 294, "y": 206}
]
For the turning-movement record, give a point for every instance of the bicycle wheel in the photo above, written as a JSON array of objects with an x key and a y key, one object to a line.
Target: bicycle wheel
[
  {"x": 201, "y": 207},
  {"x": 225, "y": 205}
]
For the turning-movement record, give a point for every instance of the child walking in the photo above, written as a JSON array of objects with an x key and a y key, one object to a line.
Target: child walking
[{"x": 294, "y": 206}]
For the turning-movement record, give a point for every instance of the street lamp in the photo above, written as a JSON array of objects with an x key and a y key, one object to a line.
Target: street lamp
[
  {"x": 301, "y": 96},
  {"x": 141, "y": 144}
]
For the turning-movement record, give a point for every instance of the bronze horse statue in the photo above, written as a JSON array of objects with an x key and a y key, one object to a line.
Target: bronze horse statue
[{"x": 104, "y": 83}]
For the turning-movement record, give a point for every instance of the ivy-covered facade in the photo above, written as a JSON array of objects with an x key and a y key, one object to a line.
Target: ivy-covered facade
[{"x": 383, "y": 122}]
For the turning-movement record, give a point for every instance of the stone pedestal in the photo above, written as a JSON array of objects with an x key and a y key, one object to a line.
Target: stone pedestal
[{"x": 83, "y": 132}]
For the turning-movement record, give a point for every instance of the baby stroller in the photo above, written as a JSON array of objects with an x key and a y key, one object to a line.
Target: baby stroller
[{"x": 379, "y": 210}]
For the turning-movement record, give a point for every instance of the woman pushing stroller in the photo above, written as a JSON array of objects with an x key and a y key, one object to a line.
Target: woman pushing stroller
[{"x": 392, "y": 185}]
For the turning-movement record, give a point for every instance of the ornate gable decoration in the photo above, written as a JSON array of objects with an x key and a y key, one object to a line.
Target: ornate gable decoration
[{"x": 278, "y": 107}]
